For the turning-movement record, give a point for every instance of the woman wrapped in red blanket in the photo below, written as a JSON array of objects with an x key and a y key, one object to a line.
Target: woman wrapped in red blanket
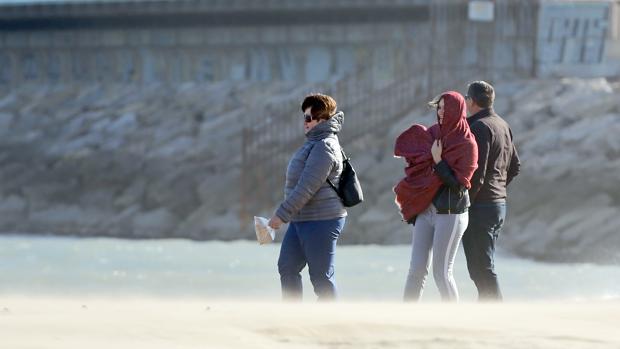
[{"x": 434, "y": 195}]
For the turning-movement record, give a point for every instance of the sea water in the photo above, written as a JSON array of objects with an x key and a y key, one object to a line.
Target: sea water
[{"x": 85, "y": 267}]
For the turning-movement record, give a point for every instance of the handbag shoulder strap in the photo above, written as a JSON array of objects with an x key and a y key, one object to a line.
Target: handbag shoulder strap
[
  {"x": 344, "y": 155},
  {"x": 344, "y": 159},
  {"x": 332, "y": 185}
]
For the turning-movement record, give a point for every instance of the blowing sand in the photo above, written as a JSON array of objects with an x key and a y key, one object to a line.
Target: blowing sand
[{"x": 167, "y": 323}]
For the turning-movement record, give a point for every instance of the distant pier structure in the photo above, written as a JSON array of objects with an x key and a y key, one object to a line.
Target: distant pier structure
[{"x": 176, "y": 41}]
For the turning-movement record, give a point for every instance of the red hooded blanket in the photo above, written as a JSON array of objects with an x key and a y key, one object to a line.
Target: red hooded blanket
[{"x": 416, "y": 191}]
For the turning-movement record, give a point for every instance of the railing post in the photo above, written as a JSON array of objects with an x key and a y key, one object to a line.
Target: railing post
[{"x": 243, "y": 209}]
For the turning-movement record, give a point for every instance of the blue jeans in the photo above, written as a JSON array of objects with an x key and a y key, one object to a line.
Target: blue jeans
[
  {"x": 312, "y": 243},
  {"x": 485, "y": 223}
]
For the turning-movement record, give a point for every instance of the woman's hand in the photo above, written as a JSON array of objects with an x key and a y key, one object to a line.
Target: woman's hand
[
  {"x": 275, "y": 222},
  {"x": 436, "y": 150}
]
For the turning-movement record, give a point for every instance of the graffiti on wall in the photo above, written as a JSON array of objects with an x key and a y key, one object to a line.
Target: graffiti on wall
[{"x": 571, "y": 35}]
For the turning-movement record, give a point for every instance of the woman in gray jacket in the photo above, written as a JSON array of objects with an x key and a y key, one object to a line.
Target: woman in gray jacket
[{"x": 315, "y": 213}]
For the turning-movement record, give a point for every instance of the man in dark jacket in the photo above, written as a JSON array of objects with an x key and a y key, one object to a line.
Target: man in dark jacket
[{"x": 498, "y": 164}]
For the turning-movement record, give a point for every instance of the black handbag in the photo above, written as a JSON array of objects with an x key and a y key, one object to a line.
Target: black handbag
[{"x": 349, "y": 188}]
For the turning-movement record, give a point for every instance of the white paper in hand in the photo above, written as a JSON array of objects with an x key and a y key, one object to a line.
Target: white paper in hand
[{"x": 264, "y": 233}]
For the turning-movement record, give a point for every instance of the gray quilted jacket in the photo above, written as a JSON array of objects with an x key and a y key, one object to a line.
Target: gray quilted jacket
[{"x": 308, "y": 196}]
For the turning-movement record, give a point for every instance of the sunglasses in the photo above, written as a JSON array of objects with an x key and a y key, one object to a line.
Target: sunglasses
[{"x": 308, "y": 118}]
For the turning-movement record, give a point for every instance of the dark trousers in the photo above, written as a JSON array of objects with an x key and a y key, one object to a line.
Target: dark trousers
[
  {"x": 485, "y": 223},
  {"x": 312, "y": 243}
]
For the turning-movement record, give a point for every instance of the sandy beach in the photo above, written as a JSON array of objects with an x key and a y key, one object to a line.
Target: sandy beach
[{"x": 167, "y": 323}]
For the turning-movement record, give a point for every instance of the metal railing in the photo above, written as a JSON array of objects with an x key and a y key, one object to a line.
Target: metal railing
[{"x": 270, "y": 139}]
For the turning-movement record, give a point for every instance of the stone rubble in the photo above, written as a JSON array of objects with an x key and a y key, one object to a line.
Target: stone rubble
[{"x": 164, "y": 161}]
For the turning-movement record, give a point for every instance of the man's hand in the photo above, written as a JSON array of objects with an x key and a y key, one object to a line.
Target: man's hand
[
  {"x": 275, "y": 222},
  {"x": 436, "y": 151}
]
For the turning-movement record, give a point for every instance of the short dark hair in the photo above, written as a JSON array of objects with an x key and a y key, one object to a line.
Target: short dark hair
[
  {"x": 482, "y": 93},
  {"x": 323, "y": 106}
]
